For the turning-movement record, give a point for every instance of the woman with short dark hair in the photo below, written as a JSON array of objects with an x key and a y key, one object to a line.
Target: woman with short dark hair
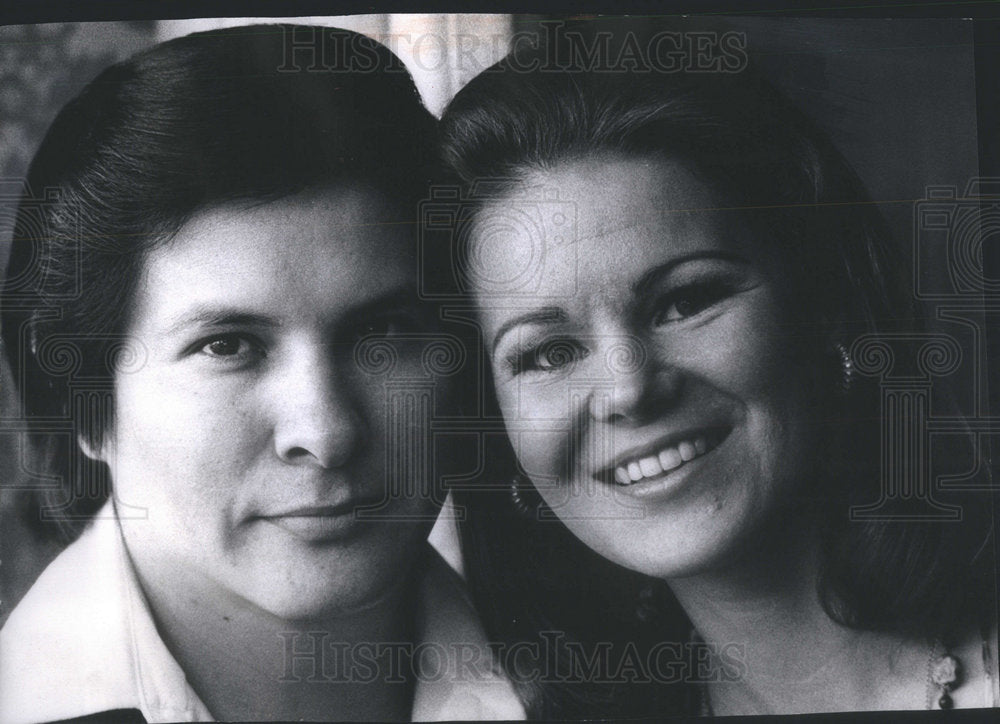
[
  {"x": 214, "y": 323},
  {"x": 678, "y": 278}
]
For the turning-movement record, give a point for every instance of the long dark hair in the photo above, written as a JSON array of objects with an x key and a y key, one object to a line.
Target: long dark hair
[
  {"x": 209, "y": 118},
  {"x": 793, "y": 188}
]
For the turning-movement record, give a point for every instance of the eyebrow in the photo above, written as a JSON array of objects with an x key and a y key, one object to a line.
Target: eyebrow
[
  {"x": 545, "y": 315},
  {"x": 211, "y": 316},
  {"x": 649, "y": 279},
  {"x": 554, "y": 315},
  {"x": 214, "y": 316}
]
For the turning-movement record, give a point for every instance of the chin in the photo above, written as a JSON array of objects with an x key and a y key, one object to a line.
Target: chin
[
  {"x": 306, "y": 604},
  {"x": 712, "y": 554},
  {"x": 675, "y": 545},
  {"x": 301, "y": 583}
]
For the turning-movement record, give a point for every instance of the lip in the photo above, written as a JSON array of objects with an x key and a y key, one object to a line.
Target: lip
[
  {"x": 666, "y": 484},
  {"x": 607, "y": 474},
  {"x": 317, "y": 523}
]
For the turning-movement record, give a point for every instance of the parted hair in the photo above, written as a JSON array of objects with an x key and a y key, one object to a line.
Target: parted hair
[
  {"x": 245, "y": 114},
  {"x": 777, "y": 170}
]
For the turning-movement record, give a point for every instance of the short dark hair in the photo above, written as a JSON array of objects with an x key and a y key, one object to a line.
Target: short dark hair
[
  {"x": 206, "y": 119},
  {"x": 778, "y": 170}
]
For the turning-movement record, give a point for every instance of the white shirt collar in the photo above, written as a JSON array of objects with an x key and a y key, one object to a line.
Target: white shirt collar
[{"x": 83, "y": 641}]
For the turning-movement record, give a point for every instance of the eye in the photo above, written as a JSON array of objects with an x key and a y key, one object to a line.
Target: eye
[
  {"x": 231, "y": 347},
  {"x": 689, "y": 300},
  {"x": 550, "y": 356}
]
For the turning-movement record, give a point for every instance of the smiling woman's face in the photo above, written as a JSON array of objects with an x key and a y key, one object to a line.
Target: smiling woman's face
[
  {"x": 647, "y": 380},
  {"x": 242, "y": 446}
]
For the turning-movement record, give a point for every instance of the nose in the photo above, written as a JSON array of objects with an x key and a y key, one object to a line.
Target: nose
[
  {"x": 318, "y": 421},
  {"x": 635, "y": 385}
]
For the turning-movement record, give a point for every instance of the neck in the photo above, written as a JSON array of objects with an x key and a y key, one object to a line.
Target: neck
[
  {"x": 776, "y": 647},
  {"x": 247, "y": 664},
  {"x": 757, "y": 598}
]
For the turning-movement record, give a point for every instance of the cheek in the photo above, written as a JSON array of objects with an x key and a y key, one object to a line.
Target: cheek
[
  {"x": 752, "y": 360},
  {"x": 169, "y": 436},
  {"x": 746, "y": 354},
  {"x": 429, "y": 372},
  {"x": 538, "y": 424}
]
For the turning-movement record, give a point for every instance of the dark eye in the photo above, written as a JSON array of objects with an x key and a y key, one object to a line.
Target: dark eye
[
  {"x": 231, "y": 347},
  {"x": 689, "y": 301},
  {"x": 549, "y": 356}
]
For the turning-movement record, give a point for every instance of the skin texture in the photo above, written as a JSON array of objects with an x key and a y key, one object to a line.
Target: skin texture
[
  {"x": 661, "y": 320},
  {"x": 231, "y": 424},
  {"x": 657, "y": 317},
  {"x": 250, "y": 431}
]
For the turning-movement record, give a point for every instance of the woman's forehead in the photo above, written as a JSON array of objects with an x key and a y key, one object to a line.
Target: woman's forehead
[{"x": 603, "y": 210}]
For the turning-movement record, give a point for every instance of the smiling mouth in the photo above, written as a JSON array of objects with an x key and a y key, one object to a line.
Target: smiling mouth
[{"x": 667, "y": 459}]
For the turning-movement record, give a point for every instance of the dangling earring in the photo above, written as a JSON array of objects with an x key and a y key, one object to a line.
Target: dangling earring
[
  {"x": 846, "y": 368},
  {"x": 646, "y": 608},
  {"x": 520, "y": 496}
]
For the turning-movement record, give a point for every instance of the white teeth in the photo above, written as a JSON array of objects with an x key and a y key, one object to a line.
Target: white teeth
[
  {"x": 668, "y": 459},
  {"x": 650, "y": 467}
]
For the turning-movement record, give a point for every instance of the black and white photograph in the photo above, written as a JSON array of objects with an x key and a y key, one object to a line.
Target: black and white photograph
[{"x": 490, "y": 366}]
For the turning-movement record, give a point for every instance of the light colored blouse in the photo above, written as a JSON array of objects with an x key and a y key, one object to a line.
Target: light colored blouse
[{"x": 83, "y": 641}]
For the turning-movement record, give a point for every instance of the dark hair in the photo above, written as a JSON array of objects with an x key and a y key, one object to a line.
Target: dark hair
[
  {"x": 210, "y": 118},
  {"x": 777, "y": 170}
]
